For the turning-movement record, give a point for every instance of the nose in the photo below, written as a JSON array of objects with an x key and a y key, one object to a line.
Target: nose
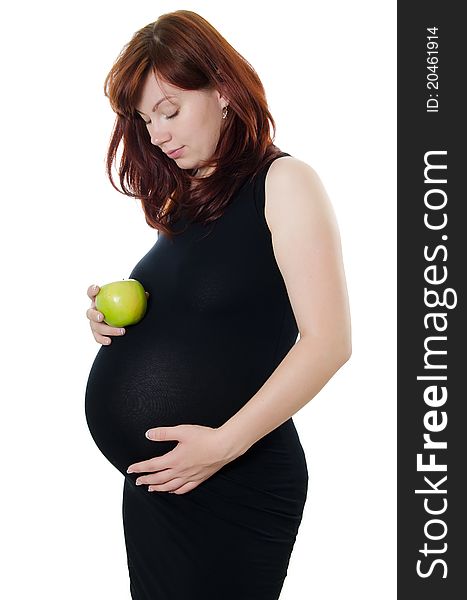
[{"x": 157, "y": 137}]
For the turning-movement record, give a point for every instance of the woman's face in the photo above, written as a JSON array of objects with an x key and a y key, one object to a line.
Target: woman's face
[{"x": 190, "y": 119}]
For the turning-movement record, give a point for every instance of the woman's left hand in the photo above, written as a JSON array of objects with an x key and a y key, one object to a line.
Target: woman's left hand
[{"x": 201, "y": 452}]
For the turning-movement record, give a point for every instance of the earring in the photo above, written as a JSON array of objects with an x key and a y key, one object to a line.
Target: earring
[{"x": 224, "y": 111}]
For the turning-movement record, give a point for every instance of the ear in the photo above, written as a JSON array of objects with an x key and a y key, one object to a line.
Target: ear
[
  {"x": 219, "y": 85},
  {"x": 222, "y": 99}
]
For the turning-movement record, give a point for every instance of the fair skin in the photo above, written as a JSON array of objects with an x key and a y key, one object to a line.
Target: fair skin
[
  {"x": 190, "y": 118},
  {"x": 307, "y": 249}
]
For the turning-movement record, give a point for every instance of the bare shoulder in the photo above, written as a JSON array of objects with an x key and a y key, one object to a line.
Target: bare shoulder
[{"x": 293, "y": 187}]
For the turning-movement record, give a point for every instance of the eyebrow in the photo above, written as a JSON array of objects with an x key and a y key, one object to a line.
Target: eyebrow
[{"x": 156, "y": 105}]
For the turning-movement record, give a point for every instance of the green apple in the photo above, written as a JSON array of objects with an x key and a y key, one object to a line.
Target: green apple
[{"x": 122, "y": 302}]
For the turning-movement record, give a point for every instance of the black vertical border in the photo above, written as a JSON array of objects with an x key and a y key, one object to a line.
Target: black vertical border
[{"x": 420, "y": 132}]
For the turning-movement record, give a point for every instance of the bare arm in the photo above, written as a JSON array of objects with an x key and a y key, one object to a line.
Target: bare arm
[{"x": 307, "y": 249}]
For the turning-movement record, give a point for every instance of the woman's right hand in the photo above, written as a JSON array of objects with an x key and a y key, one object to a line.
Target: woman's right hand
[{"x": 100, "y": 329}]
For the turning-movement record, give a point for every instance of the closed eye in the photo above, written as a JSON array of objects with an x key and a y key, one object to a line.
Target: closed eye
[{"x": 168, "y": 117}]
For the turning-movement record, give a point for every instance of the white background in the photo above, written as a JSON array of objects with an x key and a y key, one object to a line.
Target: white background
[{"x": 328, "y": 69}]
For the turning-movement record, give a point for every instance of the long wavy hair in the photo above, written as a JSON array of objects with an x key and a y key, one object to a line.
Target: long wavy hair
[{"x": 185, "y": 50}]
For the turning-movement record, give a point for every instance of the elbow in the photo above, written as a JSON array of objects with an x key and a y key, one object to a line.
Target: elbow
[
  {"x": 347, "y": 356},
  {"x": 345, "y": 352},
  {"x": 336, "y": 350},
  {"x": 348, "y": 351}
]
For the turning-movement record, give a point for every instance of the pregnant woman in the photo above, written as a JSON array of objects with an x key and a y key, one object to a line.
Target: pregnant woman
[{"x": 194, "y": 404}]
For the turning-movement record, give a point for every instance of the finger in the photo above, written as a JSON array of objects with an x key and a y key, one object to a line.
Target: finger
[
  {"x": 104, "y": 329},
  {"x": 94, "y": 315},
  {"x": 191, "y": 485},
  {"x": 161, "y": 434},
  {"x": 102, "y": 340},
  {"x": 147, "y": 294},
  {"x": 170, "y": 486},
  {"x": 98, "y": 324},
  {"x": 159, "y": 478},
  {"x": 93, "y": 290},
  {"x": 99, "y": 337},
  {"x": 158, "y": 463}
]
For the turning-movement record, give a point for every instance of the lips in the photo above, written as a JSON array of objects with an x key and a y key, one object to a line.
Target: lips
[{"x": 173, "y": 151}]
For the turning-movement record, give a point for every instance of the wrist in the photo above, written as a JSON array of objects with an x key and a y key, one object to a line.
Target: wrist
[{"x": 231, "y": 444}]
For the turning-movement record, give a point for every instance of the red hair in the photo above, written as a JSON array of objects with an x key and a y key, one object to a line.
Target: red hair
[{"x": 185, "y": 50}]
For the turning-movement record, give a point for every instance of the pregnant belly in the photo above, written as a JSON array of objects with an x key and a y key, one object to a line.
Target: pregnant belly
[{"x": 138, "y": 383}]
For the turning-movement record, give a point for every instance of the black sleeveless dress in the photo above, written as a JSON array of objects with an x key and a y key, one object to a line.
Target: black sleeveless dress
[{"x": 218, "y": 323}]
